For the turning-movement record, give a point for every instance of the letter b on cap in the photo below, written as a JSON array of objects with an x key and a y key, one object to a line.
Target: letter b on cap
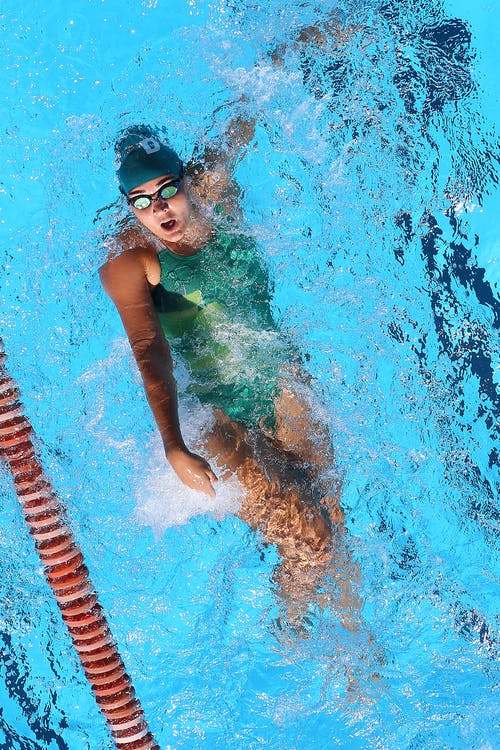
[{"x": 150, "y": 145}]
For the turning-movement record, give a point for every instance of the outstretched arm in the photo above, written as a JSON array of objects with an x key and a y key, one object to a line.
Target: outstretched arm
[
  {"x": 326, "y": 34},
  {"x": 124, "y": 279}
]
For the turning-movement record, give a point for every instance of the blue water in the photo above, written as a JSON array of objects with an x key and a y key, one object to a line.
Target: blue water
[{"x": 372, "y": 185}]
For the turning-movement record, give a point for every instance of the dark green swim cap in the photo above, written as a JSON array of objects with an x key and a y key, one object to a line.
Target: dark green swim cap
[{"x": 142, "y": 156}]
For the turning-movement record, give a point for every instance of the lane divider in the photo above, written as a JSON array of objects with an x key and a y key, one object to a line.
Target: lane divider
[{"x": 67, "y": 575}]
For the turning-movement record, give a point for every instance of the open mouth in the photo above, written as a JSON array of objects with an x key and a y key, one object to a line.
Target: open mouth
[{"x": 167, "y": 226}]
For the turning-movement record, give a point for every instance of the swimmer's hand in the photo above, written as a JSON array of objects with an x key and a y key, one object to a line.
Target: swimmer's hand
[{"x": 192, "y": 470}]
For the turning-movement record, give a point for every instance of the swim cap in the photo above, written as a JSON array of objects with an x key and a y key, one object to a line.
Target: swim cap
[{"x": 141, "y": 157}]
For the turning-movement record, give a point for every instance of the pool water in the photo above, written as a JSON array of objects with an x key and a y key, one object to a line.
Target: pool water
[{"x": 372, "y": 187}]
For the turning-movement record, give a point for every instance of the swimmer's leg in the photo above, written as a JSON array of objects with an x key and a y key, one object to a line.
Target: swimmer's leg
[
  {"x": 298, "y": 430},
  {"x": 314, "y": 551},
  {"x": 283, "y": 511},
  {"x": 305, "y": 437}
]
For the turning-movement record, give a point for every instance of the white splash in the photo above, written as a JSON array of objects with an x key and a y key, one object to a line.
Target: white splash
[
  {"x": 161, "y": 498},
  {"x": 261, "y": 82}
]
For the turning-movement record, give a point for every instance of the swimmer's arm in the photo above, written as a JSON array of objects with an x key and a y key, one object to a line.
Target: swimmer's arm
[
  {"x": 212, "y": 165},
  {"x": 239, "y": 134},
  {"x": 321, "y": 34},
  {"x": 124, "y": 279}
]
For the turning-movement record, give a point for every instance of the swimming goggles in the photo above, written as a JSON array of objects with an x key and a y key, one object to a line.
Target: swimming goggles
[{"x": 165, "y": 192}]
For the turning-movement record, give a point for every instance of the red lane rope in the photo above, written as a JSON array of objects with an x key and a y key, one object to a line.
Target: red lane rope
[{"x": 67, "y": 575}]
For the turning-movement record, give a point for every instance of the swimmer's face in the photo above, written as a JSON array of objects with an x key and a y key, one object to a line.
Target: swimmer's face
[{"x": 167, "y": 218}]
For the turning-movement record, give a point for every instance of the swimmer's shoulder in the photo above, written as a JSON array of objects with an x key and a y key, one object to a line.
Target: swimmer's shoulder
[{"x": 131, "y": 251}]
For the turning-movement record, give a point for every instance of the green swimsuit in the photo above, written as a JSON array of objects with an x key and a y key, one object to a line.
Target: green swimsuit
[{"x": 214, "y": 309}]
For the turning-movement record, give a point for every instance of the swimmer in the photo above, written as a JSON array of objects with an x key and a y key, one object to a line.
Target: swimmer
[{"x": 188, "y": 280}]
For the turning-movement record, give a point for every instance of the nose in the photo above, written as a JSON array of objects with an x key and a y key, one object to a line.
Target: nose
[{"x": 159, "y": 203}]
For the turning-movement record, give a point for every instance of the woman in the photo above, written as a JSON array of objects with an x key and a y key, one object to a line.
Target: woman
[{"x": 188, "y": 277}]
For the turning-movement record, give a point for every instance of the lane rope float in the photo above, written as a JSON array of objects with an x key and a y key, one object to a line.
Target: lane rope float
[{"x": 68, "y": 576}]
